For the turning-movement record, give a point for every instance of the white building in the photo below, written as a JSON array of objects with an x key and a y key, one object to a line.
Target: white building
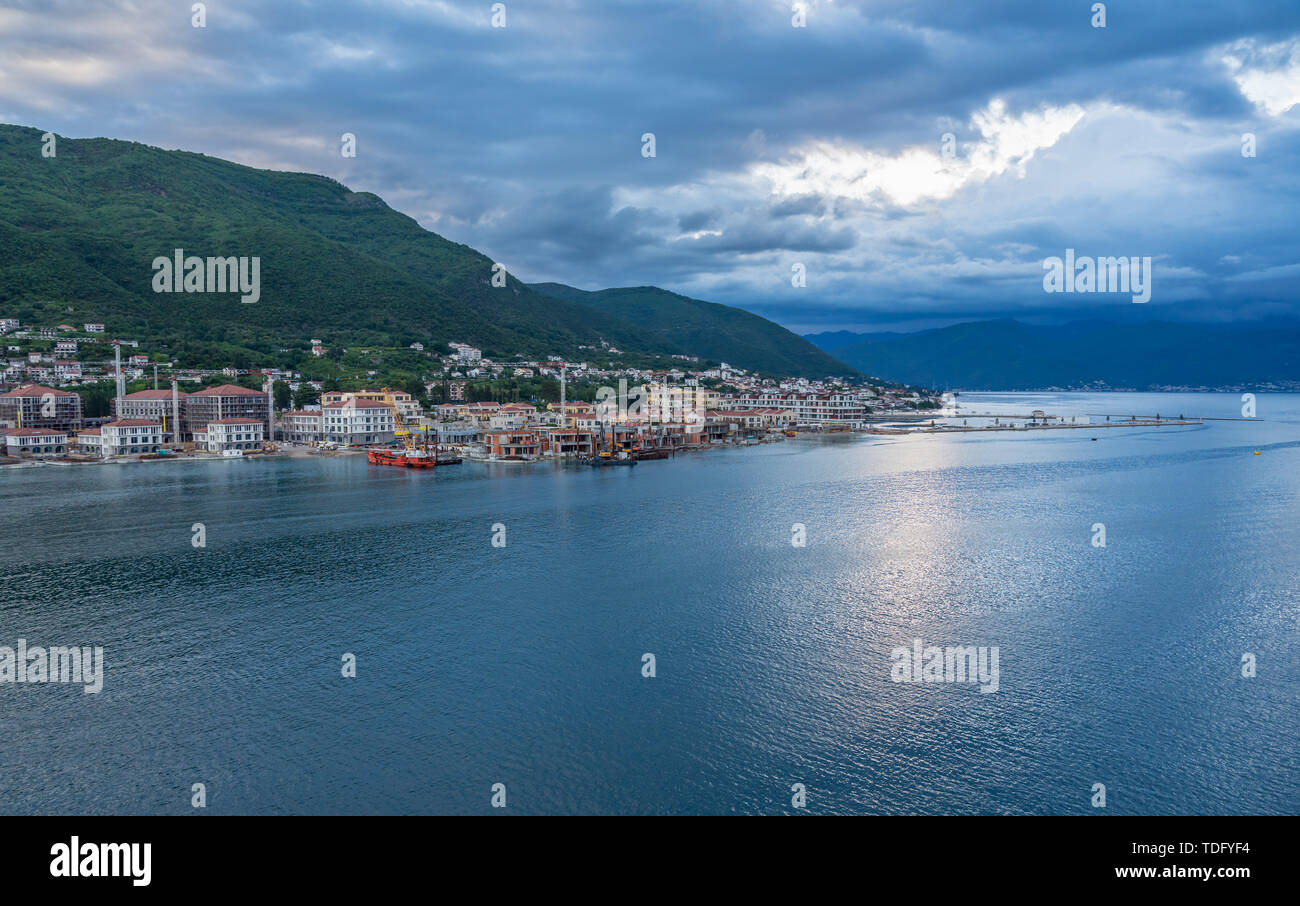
[
  {"x": 352, "y": 422},
  {"x": 808, "y": 408},
  {"x": 122, "y": 438},
  {"x": 755, "y": 418},
  {"x": 230, "y": 434},
  {"x": 466, "y": 354},
  {"x": 34, "y": 441},
  {"x": 359, "y": 421}
]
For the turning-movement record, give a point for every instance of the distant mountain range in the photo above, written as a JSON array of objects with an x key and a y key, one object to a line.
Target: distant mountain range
[
  {"x": 1010, "y": 355},
  {"x": 79, "y": 232}
]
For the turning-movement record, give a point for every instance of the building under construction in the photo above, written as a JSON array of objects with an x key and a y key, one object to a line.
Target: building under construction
[{"x": 36, "y": 406}]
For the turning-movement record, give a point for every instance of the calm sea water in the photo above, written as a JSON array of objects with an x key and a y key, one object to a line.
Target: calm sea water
[{"x": 522, "y": 665}]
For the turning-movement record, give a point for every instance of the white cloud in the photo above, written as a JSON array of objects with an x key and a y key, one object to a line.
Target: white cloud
[
  {"x": 841, "y": 170},
  {"x": 1266, "y": 75}
]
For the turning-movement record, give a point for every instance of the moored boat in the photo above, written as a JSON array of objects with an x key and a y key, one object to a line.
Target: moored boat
[{"x": 386, "y": 458}]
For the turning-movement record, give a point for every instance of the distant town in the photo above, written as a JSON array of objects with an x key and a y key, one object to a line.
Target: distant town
[{"x": 77, "y": 395}]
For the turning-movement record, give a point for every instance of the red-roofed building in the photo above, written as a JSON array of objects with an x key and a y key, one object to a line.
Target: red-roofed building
[
  {"x": 35, "y": 406},
  {"x": 224, "y": 401},
  {"x": 230, "y": 435},
  {"x": 34, "y": 442},
  {"x": 155, "y": 405},
  {"x": 351, "y": 422},
  {"x": 124, "y": 437}
]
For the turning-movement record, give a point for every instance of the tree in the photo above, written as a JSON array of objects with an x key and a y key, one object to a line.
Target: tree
[
  {"x": 95, "y": 398},
  {"x": 550, "y": 390},
  {"x": 415, "y": 387},
  {"x": 280, "y": 389},
  {"x": 307, "y": 395}
]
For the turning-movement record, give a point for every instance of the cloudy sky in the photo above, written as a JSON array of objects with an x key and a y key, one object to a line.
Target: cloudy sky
[{"x": 775, "y": 145}]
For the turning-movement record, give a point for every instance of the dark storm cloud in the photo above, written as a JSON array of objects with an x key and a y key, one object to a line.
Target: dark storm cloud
[{"x": 774, "y": 144}]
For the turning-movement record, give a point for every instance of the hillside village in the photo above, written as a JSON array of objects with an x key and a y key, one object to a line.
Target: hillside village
[{"x": 50, "y": 372}]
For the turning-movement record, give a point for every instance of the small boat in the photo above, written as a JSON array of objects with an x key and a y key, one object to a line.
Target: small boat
[{"x": 790, "y": 433}]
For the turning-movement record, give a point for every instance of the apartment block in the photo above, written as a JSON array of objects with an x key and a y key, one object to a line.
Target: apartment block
[
  {"x": 230, "y": 434},
  {"x": 36, "y": 406},
  {"x": 222, "y": 402}
]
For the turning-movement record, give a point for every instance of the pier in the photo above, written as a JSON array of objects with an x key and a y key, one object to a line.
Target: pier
[{"x": 1036, "y": 421}]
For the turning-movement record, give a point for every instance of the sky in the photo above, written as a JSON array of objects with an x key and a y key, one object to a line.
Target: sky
[{"x": 779, "y": 148}]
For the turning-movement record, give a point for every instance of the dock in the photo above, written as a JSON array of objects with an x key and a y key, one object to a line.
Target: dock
[{"x": 1031, "y": 423}]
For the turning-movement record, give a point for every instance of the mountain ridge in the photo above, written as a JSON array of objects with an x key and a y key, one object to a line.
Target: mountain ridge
[
  {"x": 80, "y": 230},
  {"x": 1006, "y": 354}
]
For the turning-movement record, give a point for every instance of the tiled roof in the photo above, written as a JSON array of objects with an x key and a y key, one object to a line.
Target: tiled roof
[
  {"x": 357, "y": 404},
  {"x": 154, "y": 395},
  {"x": 29, "y": 432},
  {"x": 227, "y": 390},
  {"x": 35, "y": 390}
]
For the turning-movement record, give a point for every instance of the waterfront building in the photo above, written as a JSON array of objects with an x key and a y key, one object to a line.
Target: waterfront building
[
  {"x": 350, "y": 422},
  {"x": 301, "y": 426},
  {"x": 34, "y": 442},
  {"x": 404, "y": 402},
  {"x": 226, "y": 434},
  {"x": 756, "y": 418},
  {"x": 221, "y": 402},
  {"x": 359, "y": 421},
  {"x": 122, "y": 438},
  {"x": 37, "y": 406},
  {"x": 566, "y": 442},
  {"x": 451, "y": 433},
  {"x": 512, "y": 443},
  {"x": 835, "y": 408},
  {"x": 154, "y": 405},
  {"x": 666, "y": 402}
]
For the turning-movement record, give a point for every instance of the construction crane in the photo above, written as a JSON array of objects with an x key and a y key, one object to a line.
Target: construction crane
[{"x": 412, "y": 456}]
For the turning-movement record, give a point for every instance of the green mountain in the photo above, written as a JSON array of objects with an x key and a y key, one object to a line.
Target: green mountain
[
  {"x": 1010, "y": 355},
  {"x": 706, "y": 329},
  {"x": 79, "y": 232}
]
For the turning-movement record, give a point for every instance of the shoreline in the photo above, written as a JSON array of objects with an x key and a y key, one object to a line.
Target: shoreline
[{"x": 874, "y": 431}]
